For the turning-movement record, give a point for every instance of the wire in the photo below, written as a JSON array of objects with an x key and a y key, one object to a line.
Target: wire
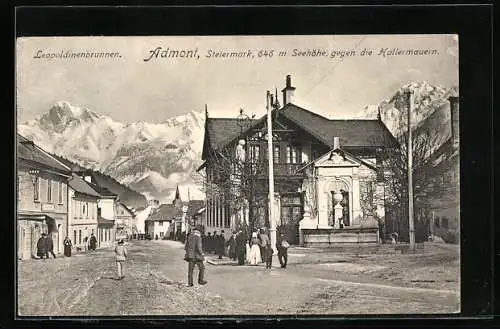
[{"x": 333, "y": 68}]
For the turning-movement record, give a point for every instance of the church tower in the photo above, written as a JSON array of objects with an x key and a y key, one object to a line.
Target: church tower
[{"x": 177, "y": 201}]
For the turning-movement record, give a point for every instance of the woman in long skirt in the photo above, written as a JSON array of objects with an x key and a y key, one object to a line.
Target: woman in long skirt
[
  {"x": 255, "y": 257},
  {"x": 67, "y": 247}
]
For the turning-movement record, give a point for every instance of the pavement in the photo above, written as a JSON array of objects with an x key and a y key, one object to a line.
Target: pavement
[{"x": 314, "y": 282}]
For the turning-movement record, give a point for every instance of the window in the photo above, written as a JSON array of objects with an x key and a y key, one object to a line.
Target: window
[
  {"x": 83, "y": 210},
  {"x": 444, "y": 222},
  {"x": 254, "y": 153},
  {"x": 436, "y": 222},
  {"x": 74, "y": 236},
  {"x": 276, "y": 154},
  {"x": 36, "y": 189},
  {"x": 60, "y": 191},
  {"x": 227, "y": 215},
  {"x": 17, "y": 187},
  {"x": 292, "y": 154},
  {"x": 79, "y": 236},
  {"x": 161, "y": 234},
  {"x": 49, "y": 190},
  {"x": 87, "y": 209}
]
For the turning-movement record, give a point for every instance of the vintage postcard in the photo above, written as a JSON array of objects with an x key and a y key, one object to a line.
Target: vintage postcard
[{"x": 237, "y": 175}]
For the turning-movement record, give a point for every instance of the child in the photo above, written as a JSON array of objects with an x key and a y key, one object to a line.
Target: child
[{"x": 121, "y": 256}]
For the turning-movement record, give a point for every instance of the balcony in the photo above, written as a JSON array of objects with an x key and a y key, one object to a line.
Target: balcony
[{"x": 283, "y": 170}]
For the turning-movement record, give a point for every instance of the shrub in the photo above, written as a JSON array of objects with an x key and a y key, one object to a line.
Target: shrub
[{"x": 451, "y": 236}]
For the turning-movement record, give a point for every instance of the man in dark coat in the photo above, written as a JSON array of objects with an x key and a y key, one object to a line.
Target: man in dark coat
[
  {"x": 282, "y": 246},
  {"x": 208, "y": 247},
  {"x": 41, "y": 247},
  {"x": 231, "y": 243},
  {"x": 241, "y": 247},
  {"x": 92, "y": 242},
  {"x": 220, "y": 243},
  {"x": 195, "y": 257}
]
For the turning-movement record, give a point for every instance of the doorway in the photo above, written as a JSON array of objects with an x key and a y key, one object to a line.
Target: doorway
[{"x": 291, "y": 214}]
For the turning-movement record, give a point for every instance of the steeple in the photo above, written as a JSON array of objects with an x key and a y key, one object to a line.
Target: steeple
[{"x": 177, "y": 200}]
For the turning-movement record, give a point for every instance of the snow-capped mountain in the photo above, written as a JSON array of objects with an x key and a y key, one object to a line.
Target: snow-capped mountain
[
  {"x": 151, "y": 158},
  {"x": 426, "y": 99}
]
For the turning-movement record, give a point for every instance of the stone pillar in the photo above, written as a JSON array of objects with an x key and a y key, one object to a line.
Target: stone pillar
[{"x": 356, "y": 203}]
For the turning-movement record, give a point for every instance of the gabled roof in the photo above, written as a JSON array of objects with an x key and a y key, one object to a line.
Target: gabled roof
[
  {"x": 29, "y": 151},
  {"x": 352, "y": 132},
  {"x": 164, "y": 212},
  {"x": 81, "y": 186},
  {"x": 348, "y": 156},
  {"x": 194, "y": 206},
  {"x": 104, "y": 192},
  {"x": 124, "y": 206}
]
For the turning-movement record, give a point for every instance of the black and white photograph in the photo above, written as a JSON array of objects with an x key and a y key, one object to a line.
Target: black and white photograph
[{"x": 238, "y": 175}]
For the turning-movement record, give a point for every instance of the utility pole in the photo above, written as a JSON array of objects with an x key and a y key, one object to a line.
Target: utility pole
[
  {"x": 411, "y": 227},
  {"x": 272, "y": 224}
]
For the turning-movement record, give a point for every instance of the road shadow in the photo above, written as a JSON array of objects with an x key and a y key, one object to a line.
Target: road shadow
[{"x": 110, "y": 278}]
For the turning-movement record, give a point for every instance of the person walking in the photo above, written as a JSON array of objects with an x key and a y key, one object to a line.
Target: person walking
[
  {"x": 282, "y": 246},
  {"x": 255, "y": 256},
  {"x": 195, "y": 257},
  {"x": 67, "y": 246},
  {"x": 265, "y": 244},
  {"x": 92, "y": 242},
  {"x": 41, "y": 247},
  {"x": 121, "y": 256}
]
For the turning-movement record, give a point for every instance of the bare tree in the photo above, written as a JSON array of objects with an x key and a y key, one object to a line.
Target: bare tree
[
  {"x": 394, "y": 169},
  {"x": 237, "y": 183}
]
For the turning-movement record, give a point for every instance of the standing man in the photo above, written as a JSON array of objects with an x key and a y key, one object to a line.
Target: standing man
[
  {"x": 93, "y": 242},
  {"x": 282, "y": 246},
  {"x": 265, "y": 245},
  {"x": 231, "y": 243},
  {"x": 41, "y": 247},
  {"x": 195, "y": 257},
  {"x": 220, "y": 242},
  {"x": 241, "y": 247}
]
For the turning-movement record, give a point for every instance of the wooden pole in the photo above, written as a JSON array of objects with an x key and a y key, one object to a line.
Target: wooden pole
[
  {"x": 272, "y": 223},
  {"x": 411, "y": 227}
]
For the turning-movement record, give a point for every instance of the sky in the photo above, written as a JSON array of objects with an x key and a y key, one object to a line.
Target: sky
[{"x": 129, "y": 89}]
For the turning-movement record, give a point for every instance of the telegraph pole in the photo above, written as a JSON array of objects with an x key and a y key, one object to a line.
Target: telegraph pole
[
  {"x": 411, "y": 227},
  {"x": 272, "y": 224}
]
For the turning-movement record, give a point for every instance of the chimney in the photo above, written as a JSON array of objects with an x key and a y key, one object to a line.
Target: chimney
[
  {"x": 455, "y": 132},
  {"x": 288, "y": 91},
  {"x": 336, "y": 143}
]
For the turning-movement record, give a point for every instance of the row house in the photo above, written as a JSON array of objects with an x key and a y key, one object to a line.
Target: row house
[
  {"x": 82, "y": 211},
  {"x": 42, "y": 198},
  {"x": 328, "y": 187},
  {"x": 125, "y": 221}
]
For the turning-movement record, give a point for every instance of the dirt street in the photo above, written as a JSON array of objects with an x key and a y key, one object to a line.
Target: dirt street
[{"x": 156, "y": 274}]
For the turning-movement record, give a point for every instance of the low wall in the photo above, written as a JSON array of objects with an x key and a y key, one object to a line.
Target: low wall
[{"x": 340, "y": 237}]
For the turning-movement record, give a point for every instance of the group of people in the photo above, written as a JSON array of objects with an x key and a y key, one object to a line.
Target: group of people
[
  {"x": 256, "y": 250},
  {"x": 214, "y": 244},
  {"x": 45, "y": 245}
]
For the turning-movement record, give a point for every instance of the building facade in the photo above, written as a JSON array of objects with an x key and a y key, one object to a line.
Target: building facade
[
  {"x": 82, "y": 212},
  {"x": 125, "y": 221},
  {"x": 42, "y": 204},
  {"x": 325, "y": 174}
]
